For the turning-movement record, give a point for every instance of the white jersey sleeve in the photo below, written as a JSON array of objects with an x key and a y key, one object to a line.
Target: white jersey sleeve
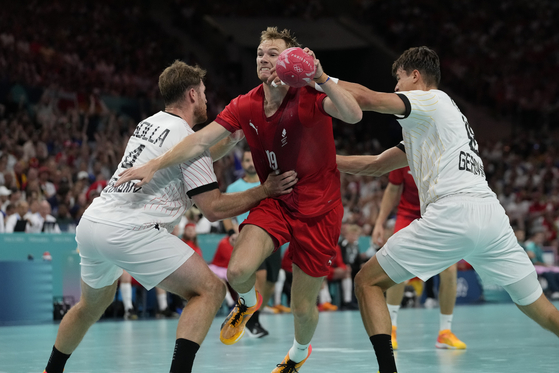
[
  {"x": 441, "y": 148},
  {"x": 163, "y": 200}
]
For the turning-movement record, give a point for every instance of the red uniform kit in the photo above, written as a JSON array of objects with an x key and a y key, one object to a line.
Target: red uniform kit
[
  {"x": 408, "y": 207},
  {"x": 297, "y": 137}
]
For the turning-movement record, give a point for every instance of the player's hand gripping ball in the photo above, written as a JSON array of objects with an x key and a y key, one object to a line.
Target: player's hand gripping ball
[{"x": 295, "y": 67}]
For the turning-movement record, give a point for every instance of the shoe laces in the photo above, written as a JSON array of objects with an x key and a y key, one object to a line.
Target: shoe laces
[
  {"x": 288, "y": 367},
  {"x": 241, "y": 310}
]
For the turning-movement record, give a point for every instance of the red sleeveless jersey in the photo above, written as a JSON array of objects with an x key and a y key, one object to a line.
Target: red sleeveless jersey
[
  {"x": 409, "y": 201},
  {"x": 297, "y": 137}
]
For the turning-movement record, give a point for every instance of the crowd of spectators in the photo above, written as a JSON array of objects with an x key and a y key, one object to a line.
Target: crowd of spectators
[
  {"x": 500, "y": 54},
  {"x": 65, "y": 143}
]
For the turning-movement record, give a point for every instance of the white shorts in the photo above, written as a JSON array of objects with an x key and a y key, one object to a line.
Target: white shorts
[
  {"x": 454, "y": 228},
  {"x": 149, "y": 255}
]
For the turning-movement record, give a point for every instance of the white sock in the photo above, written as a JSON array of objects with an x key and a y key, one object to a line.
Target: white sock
[
  {"x": 249, "y": 298},
  {"x": 126, "y": 294},
  {"x": 393, "y": 314},
  {"x": 324, "y": 296},
  {"x": 229, "y": 299},
  {"x": 278, "y": 287},
  {"x": 445, "y": 322},
  {"x": 298, "y": 352},
  {"x": 347, "y": 289},
  {"x": 162, "y": 301}
]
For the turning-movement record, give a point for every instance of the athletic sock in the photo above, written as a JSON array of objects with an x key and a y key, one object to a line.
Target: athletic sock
[
  {"x": 347, "y": 289},
  {"x": 382, "y": 343},
  {"x": 445, "y": 322},
  {"x": 57, "y": 361},
  {"x": 183, "y": 356},
  {"x": 162, "y": 301},
  {"x": 324, "y": 295},
  {"x": 298, "y": 352},
  {"x": 126, "y": 294},
  {"x": 249, "y": 298},
  {"x": 393, "y": 313}
]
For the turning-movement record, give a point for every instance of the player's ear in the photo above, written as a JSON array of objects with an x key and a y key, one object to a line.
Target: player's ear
[{"x": 191, "y": 95}]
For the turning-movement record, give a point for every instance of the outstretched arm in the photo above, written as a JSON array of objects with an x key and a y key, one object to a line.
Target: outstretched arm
[
  {"x": 223, "y": 147},
  {"x": 369, "y": 100},
  {"x": 190, "y": 147},
  {"x": 372, "y": 165},
  {"x": 216, "y": 205}
]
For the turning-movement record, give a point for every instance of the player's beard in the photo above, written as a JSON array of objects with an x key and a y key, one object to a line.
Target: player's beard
[
  {"x": 251, "y": 171},
  {"x": 200, "y": 114}
]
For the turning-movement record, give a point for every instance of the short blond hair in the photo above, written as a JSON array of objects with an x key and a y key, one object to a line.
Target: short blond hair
[
  {"x": 272, "y": 33},
  {"x": 176, "y": 79}
]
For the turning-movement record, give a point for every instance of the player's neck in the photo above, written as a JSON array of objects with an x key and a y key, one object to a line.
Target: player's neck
[{"x": 186, "y": 115}]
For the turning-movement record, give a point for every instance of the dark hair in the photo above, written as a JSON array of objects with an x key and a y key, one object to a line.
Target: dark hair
[
  {"x": 272, "y": 33},
  {"x": 422, "y": 59},
  {"x": 176, "y": 79},
  {"x": 246, "y": 148}
]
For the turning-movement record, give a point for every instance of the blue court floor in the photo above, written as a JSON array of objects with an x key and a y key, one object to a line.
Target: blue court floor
[{"x": 499, "y": 337}]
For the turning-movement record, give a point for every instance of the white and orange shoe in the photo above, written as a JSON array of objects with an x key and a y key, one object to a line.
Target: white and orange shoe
[
  {"x": 448, "y": 340},
  {"x": 289, "y": 366},
  {"x": 233, "y": 328}
]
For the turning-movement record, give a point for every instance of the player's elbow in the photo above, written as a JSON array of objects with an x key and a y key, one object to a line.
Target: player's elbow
[{"x": 354, "y": 116}]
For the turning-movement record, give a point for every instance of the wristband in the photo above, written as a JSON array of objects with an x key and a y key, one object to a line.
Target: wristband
[
  {"x": 318, "y": 87},
  {"x": 327, "y": 79},
  {"x": 321, "y": 79}
]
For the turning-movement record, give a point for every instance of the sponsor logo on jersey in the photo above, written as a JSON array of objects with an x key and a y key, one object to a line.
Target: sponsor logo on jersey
[
  {"x": 283, "y": 138},
  {"x": 253, "y": 126}
]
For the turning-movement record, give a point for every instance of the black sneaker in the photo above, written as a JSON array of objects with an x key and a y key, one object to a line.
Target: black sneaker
[
  {"x": 167, "y": 314},
  {"x": 351, "y": 306},
  {"x": 130, "y": 314},
  {"x": 256, "y": 330}
]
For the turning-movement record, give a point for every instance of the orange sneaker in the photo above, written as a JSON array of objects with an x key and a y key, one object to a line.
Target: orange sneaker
[
  {"x": 289, "y": 366},
  {"x": 327, "y": 306},
  {"x": 448, "y": 340},
  {"x": 394, "y": 341},
  {"x": 233, "y": 328},
  {"x": 282, "y": 308}
]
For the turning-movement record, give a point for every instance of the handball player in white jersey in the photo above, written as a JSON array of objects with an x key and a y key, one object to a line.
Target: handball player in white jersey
[
  {"x": 461, "y": 217},
  {"x": 128, "y": 227}
]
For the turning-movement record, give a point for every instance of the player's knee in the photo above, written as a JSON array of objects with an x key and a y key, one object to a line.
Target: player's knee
[
  {"x": 303, "y": 310},
  {"x": 237, "y": 273}
]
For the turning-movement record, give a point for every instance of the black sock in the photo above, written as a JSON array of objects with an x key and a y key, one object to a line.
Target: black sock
[
  {"x": 57, "y": 361},
  {"x": 382, "y": 343},
  {"x": 183, "y": 357}
]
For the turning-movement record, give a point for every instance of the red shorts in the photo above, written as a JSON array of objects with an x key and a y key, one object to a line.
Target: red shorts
[
  {"x": 312, "y": 241},
  {"x": 402, "y": 222}
]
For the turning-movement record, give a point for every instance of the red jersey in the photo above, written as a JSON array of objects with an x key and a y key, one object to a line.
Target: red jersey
[
  {"x": 298, "y": 137},
  {"x": 409, "y": 201},
  {"x": 223, "y": 253},
  {"x": 194, "y": 247}
]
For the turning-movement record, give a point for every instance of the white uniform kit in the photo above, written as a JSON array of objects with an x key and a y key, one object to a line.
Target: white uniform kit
[
  {"x": 128, "y": 227},
  {"x": 461, "y": 216}
]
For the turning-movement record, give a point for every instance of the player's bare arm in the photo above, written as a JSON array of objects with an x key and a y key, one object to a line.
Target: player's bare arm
[
  {"x": 217, "y": 206},
  {"x": 369, "y": 100},
  {"x": 190, "y": 147},
  {"x": 340, "y": 103},
  {"x": 223, "y": 147},
  {"x": 390, "y": 199},
  {"x": 372, "y": 165}
]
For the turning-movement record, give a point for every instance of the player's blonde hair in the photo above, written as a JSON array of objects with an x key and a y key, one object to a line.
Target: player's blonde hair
[
  {"x": 176, "y": 79},
  {"x": 272, "y": 33},
  {"x": 422, "y": 59}
]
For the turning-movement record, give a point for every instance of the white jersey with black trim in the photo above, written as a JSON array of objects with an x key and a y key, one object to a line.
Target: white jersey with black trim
[
  {"x": 163, "y": 200},
  {"x": 440, "y": 146}
]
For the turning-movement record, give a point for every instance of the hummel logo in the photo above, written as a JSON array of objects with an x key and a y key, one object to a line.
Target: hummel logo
[
  {"x": 284, "y": 132},
  {"x": 253, "y": 126}
]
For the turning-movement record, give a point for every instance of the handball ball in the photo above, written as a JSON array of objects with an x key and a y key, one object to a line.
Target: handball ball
[{"x": 295, "y": 68}]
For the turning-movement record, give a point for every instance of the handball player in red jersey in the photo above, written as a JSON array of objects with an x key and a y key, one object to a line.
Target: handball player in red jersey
[{"x": 287, "y": 129}]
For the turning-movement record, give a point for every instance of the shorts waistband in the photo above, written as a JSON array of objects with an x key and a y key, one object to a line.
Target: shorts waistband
[{"x": 467, "y": 197}]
